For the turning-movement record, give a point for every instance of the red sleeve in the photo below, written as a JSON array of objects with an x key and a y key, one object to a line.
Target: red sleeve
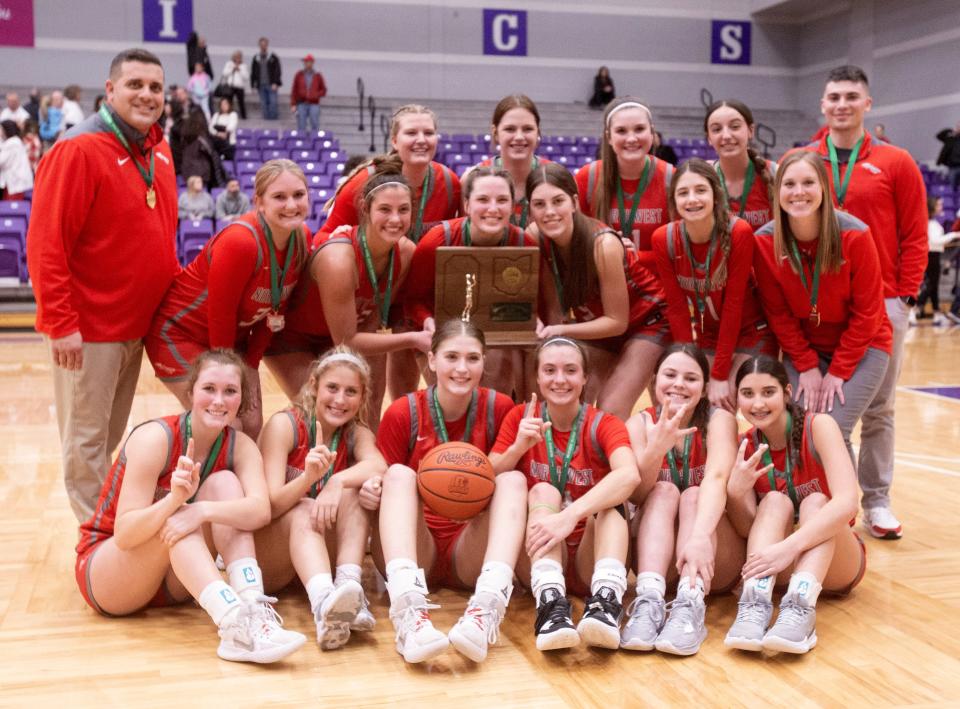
[
  {"x": 739, "y": 267},
  {"x": 502, "y": 406},
  {"x": 420, "y": 281},
  {"x": 63, "y": 193},
  {"x": 295, "y": 90},
  {"x": 233, "y": 257},
  {"x": 867, "y": 310},
  {"x": 911, "y": 204},
  {"x": 612, "y": 434},
  {"x": 260, "y": 336},
  {"x": 344, "y": 205},
  {"x": 393, "y": 434},
  {"x": 678, "y": 310},
  {"x": 507, "y": 433},
  {"x": 583, "y": 180}
]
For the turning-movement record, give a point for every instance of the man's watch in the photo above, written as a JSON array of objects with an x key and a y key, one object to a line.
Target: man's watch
[{"x": 909, "y": 300}]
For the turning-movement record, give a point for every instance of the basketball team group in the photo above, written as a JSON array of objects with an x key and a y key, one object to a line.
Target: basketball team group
[{"x": 738, "y": 286}]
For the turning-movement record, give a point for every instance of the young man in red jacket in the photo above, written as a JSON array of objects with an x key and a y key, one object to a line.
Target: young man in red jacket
[
  {"x": 308, "y": 89},
  {"x": 101, "y": 251}
]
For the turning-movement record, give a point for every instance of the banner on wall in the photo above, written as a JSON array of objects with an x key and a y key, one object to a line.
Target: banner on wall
[
  {"x": 167, "y": 20},
  {"x": 730, "y": 42},
  {"x": 505, "y": 33},
  {"x": 16, "y": 23}
]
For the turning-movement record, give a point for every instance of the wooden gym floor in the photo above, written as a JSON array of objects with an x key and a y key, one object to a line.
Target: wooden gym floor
[{"x": 894, "y": 642}]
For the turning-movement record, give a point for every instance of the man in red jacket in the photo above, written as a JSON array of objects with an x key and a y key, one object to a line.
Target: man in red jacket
[
  {"x": 308, "y": 89},
  {"x": 101, "y": 252}
]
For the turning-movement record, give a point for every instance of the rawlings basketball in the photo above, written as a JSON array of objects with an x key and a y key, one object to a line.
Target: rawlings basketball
[{"x": 456, "y": 480}]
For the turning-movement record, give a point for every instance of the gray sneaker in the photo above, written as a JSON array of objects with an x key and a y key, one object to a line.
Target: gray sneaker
[
  {"x": 795, "y": 630},
  {"x": 645, "y": 621},
  {"x": 684, "y": 631},
  {"x": 753, "y": 617}
]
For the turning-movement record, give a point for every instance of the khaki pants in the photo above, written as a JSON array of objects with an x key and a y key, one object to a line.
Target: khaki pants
[{"x": 93, "y": 405}]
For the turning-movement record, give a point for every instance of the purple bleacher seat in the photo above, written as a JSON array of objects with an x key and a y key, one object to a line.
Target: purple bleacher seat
[
  {"x": 327, "y": 155},
  {"x": 549, "y": 150},
  {"x": 319, "y": 197},
  {"x": 459, "y": 169},
  {"x": 328, "y": 144},
  {"x": 15, "y": 208},
  {"x": 15, "y": 226},
  {"x": 940, "y": 190},
  {"x": 274, "y": 154},
  {"x": 460, "y": 159},
  {"x": 462, "y": 138},
  {"x": 319, "y": 181},
  {"x": 193, "y": 232},
  {"x": 191, "y": 249},
  {"x": 244, "y": 133},
  {"x": 248, "y": 166},
  {"x": 334, "y": 168},
  {"x": 305, "y": 156},
  {"x": 269, "y": 143},
  {"x": 248, "y": 142},
  {"x": 249, "y": 154},
  {"x": 216, "y": 192},
  {"x": 313, "y": 168},
  {"x": 266, "y": 133},
  {"x": 12, "y": 257},
  {"x": 313, "y": 224},
  {"x": 299, "y": 143}
]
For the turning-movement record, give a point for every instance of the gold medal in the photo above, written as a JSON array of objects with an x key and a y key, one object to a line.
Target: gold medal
[
  {"x": 384, "y": 330},
  {"x": 274, "y": 322},
  {"x": 815, "y": 316},
  {"x": 151, "y": 198}
]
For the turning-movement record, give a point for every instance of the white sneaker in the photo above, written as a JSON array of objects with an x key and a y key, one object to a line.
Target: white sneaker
[
  {"x": 478, "y": 628},
  {"x": 335, "y": 614},
  {"x": 939, "y": 319},
  {"x": 255, "y": 634},
  {"x": 364, "y": 622},
  {"x": 912, "y": 317},
  {"x": 417, "y": 639},
  {"x": 881, "y": 523},
  {"x": 953, "y": 317}
]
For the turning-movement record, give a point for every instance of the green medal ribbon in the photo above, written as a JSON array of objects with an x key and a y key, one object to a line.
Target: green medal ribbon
[
  {"x": 147, "y": 175},
  {"x": 701, "y": 300},
  {"x": 559, "y": 479},
  {"x": 437, "y": 414},
  {"x": 523, "y": 202},
  {"x": 426, "y": 191},
  {"x": 557, "y": 281},
  {"x": 785, "y": 474},
  {"x": 626, "y": 223},
  {"x": 747, "y": 186},
  {"x": 211, "y": 456},
  {"x": 468, "y": 238},
  {"x": 382, "y": 300},
  {"x": 841, "y": 187},
  {"x": 813, "y": 292},
  {"x": 278, "y": 277},
  {"x": 334, "y": 444}
]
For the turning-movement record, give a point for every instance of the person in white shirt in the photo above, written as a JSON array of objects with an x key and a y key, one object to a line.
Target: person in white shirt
[
  {"x": 72, "y": 113},
  {"x": 16, "y": 176},
  {"x": 236, "y": 75},
  {"x": 938, "y": 240},
  {"x": 13, "y": 111},
  {"x": 223, "y": 128}
]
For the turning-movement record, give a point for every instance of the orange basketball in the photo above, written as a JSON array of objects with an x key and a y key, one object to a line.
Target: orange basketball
[{"x": 456, "y": 480}]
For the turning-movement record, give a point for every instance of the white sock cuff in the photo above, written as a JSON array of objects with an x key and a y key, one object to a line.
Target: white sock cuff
[
  {"x": 762, "y": 587},
  {"x": 348, "y": 571},
  {"x": 651, "y": 581},
  {"x": 218, "y": 599},
  {"x": 684, "y": 584},
  {"x": 318, "y": 586},
  {"x": 406, "y": 580},
  {"x": 806, "y": 586},
  {"x": 397, "y": 564},
  {"x": 609, "y": 572},
  {"x": 496, "y": 578}
]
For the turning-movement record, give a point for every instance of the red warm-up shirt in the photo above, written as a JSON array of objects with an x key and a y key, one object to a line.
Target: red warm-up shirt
[
  {"x": 300, "y": 92},
  {"x": 759, "y": 210},
  {"x": 808, "y": 478},
  {"x": 99, "y": 257}
]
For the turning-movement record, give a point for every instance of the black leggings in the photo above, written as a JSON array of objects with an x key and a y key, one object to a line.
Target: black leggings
[{"x": 931, "y": 286}]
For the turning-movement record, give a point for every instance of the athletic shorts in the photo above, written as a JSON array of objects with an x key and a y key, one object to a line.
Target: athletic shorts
[
  {"x": 82, "y": 573},
  {"x": 655, "y": 328},
  {"x": 289, "y": 341},
  {"x": 445, "y": 534},
  {"x": 171, "y": 355},
  {"x": 858, "y": 578},
  {"x": 755, "y": 340}
]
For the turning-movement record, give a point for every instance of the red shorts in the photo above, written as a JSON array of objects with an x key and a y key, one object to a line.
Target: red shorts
[
  {"x": 82, "y": 573},
  {"x": 858, "y": 578},
  {"x": 445, "y": 534},
  {"x": 754, "y": 340},
  {"x": 288, "y": 341},
  {"x": 655, "y": 328},
  {"x": 171, "y": 355}
]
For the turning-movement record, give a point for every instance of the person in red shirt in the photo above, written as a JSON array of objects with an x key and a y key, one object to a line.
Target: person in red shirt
[
  {"x": 179, "y": 483},
  {"x": 705, "y": 261},
  {"x": 821, "y": 289},
  {"x": 101, "y": 254},
  {"x": 790, "y": 470},
  {"x": 882, "y": 185},
  {"x": 627, "y": 187},
  {"x": 355, "y": 280},
  {"x": 747, "y": 178},
  {"x": 597, "y": 291},
  {"x": 685, "y": 448},
  {"x": 235, "y": 292},
  {"x": 305, "y": 94},
  {"x": 324, "y": 472},
  {"x": 580, "y": 469},
  {"x": 481, "y": 552}
]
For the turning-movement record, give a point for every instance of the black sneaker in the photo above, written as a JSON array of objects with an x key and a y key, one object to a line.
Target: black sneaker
[
  {"x": 600, "y": 625},
  {"x": 554, "y": 626}
]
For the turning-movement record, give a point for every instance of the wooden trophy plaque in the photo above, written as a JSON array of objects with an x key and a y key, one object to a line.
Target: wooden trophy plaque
[{"x": 500, "y": 296}]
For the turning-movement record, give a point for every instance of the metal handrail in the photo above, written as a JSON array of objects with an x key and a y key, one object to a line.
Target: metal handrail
[
  {"x": 372, "y": 106},
  {"x": 360, "y": 91}
]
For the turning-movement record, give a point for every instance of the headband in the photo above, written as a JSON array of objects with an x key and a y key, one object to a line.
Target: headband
[
  {"x": 345, "y": 357},
  {"x": 391, "y": 183},
  {"x": 560, "y": 340},
  {"x": 628, "y": 104}
]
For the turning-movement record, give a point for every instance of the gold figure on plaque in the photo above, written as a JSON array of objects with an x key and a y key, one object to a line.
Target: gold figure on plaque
[{"x": 471, "y": 279}]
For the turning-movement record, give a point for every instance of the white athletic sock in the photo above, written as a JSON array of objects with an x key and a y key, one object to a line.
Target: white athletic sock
[
  {"x": 246, "y": 578},
  {"x": 684, "y": 586},
  {"x": 404, "y": 577},
  {"x": 806, "y": 586},
  {"x": 611, "y": 573},
  {"x": 496, "y": 579},
  {"x": 547, "y": 573},
  {"x": 348, "y": 572},
  {"x": 762, "y": 587},
  {"x": 219, "y": 600},
  {"x": 651, "y": 581},
  {"x": 318, "y": 587}
]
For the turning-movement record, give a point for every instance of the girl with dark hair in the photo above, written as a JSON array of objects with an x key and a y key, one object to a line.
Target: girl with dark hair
[
  {"x": 790, "y": 470},
  {"x": 603, "y": 89},
  {"x": 746, "y": 177},
  {"x": 705, "y": 261},
  {"x": 415, "y": 545},
  {"x": 685, "y": 449},
  {"x": 595, "y": 290}
]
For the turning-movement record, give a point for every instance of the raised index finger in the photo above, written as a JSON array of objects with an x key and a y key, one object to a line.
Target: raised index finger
[
  {"x": 189, "y": 452},
  {"x": 531, "y": 406}
]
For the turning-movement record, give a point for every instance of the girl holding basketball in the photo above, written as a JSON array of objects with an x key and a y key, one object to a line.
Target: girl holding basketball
[
  {"x": 685, "y": 449},
  {"x": 356, "y": 276},
  {"x": 480, "y": 552},
  {"x": 323, "y": 472},
  {"x": 705, "y": 259},
  {"x": 793, "y": 491},
  {"x": 597, "y": 291},
  {"x": 580, "y": 469},
  {"x": 235, "y": 292},
  {"x": 746, "y": 177},
  {"x": 184, "y": 488},
  {"x": 627, "y": 187}
]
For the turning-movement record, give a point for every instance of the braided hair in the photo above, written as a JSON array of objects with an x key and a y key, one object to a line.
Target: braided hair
[{"x": 764, "y": 364}]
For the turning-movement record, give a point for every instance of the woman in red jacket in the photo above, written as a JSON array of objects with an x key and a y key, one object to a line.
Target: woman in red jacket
[
  {"x": 820, "y": 286},
  {"x": 235, "y": 292},
  {"x": 705, "y": 260}
]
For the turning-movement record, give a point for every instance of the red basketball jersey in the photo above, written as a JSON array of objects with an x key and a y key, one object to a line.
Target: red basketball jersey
[
  {"x": 758, "y": 210},
  {"x": 296, "y": 459},
  {"x": 521, "y": 207},
  {"x": 809, "y": 478},
  {"x": 698, "y": 457}
]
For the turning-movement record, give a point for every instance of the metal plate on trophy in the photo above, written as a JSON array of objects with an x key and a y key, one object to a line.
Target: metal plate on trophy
[{"x": 495, "y": 287}]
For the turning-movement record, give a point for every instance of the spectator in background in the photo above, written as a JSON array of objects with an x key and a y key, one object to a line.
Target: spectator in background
[
  {"x": 72, "y": 113},
  {"x": 33, "y": 105},
  {"x": 195, "y": 202},
  {"x": 265, "y": 76},
  {"x": 937, "y": 241},
  {"x": 308, "y": 89},
  {"x": 662, "y": 150},
  {"x": 199, "y": 156},
  {"x": 16, "y": 177},
  {"x": 13, "y": 111},
  {"x": 232, "y": 202},
  {"x": 950, "y": 153},
  {"x": 603, "y": 91},
  {"x": 31, "y": 140},
  {"x": 223, "y": 129},
  {"x": 51, "y": 117},
  {"x": 97, "y": 101},
  {"x": 235, "y": 75},
  {"x": 197, "y": 53},
  {"x": 880, "y": 133},
  {"x": 199, "y": 87}
]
